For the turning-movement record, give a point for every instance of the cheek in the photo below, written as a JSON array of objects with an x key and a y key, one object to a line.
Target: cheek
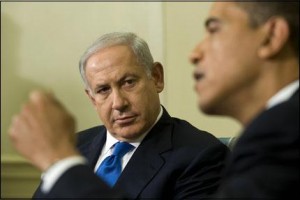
[
  {"x": 147, "y": 101},
  {"x": 103, "y": 111},
  {"x": 227, "y": 60},
  {"x": 222, "y": 73}
]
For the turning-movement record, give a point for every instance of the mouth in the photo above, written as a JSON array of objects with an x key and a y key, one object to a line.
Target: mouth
[
  {"x": 198, "y": 76},
  {"x": 126, "y": 120}
]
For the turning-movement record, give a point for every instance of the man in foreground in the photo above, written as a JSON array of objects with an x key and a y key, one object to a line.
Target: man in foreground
[{"x": 247, "y": 67}]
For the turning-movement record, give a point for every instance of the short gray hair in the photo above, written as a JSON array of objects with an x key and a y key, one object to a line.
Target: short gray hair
[{"x": 138, "y": 45}]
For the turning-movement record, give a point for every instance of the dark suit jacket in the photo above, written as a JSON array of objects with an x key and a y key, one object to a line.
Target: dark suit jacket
[
  {"x": 174, "y": 161},
  {"x": 265, "y": 160}
]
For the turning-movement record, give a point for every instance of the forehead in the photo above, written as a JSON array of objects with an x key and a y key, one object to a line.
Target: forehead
[
  {"x": 112, "y": 63},
  {"x": 117, "y": 53},
  {"x": 228, "y": 11},
  {"x": 119, "y": 57}
]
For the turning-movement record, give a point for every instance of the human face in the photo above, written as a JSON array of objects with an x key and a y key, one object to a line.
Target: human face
[
  {"x": 125, "y": 97},
  {"x": 226, "y": 62}
]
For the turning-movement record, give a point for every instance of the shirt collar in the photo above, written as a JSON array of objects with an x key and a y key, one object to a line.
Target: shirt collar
[{"x": 284, "y": 94}]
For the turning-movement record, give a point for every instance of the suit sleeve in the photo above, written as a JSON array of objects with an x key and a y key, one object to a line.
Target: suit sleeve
[
  {"x": 79, "y": 182},
  {"x": 202, "y": 177}
]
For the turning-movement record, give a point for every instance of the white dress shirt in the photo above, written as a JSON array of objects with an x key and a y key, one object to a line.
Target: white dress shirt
[
  {"x": 284, "y": 94},
  {"x": 107, "y": 149},
  {"x": 55, "y": 171}
]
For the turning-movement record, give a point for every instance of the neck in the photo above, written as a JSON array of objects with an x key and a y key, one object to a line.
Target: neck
[{"x": 253, "y": 100}]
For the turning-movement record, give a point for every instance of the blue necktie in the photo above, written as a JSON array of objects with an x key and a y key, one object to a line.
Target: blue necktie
[{"x": 111, "y": 167}]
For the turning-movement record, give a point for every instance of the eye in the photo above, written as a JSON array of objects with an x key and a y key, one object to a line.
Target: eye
[
  {"x": 212, "y": 27},
  {"x": 129, "y": 83},
  {"x": 103, "y": 90}
]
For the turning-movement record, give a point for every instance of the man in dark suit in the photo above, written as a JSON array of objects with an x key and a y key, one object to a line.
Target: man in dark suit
[
  {"x": 247, "y": 67},
  {"x": 166, "y": 158},
  {"x": 171, "y": 162}
]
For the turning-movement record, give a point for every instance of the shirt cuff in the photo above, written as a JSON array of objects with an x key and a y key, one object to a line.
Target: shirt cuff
[{"x": 57, "y": 169}]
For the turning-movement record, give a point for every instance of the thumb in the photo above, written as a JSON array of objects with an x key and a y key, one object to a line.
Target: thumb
[{"x": 37, "y": 96}]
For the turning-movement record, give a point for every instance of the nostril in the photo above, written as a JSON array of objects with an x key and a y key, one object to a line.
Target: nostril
[
  {"x": 195, "y": 61},
  {"x": 197, "y": 54}
]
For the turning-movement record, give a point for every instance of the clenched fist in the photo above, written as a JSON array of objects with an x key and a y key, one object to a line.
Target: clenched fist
[{"x": 44, "y": 131}]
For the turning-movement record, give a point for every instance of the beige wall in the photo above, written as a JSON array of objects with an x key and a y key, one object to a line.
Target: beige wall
[
  {"x": 183, "y": 25},
  {"x": 41, "y": 44}
]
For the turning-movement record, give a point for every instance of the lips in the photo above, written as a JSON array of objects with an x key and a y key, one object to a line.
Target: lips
[
  {"x": 198, "y": 76},
  {"x": 125, "y": 120}
]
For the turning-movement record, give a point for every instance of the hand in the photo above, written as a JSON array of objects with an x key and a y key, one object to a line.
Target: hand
[{"x": 43, "y": 132}]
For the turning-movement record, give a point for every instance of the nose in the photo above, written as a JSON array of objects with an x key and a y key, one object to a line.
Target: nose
[
  {"x": 119, "y": 101},
  {"x": 196, "y": 55}
]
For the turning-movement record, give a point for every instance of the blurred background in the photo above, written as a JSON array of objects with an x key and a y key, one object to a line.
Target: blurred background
[{"x": 41, "y": 43}]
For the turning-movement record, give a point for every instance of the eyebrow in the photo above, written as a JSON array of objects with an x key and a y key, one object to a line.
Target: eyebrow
[
  {"x": 131, "y": 75},
  {"x": 98, "y": 86},
  {"x": 211, "y": 20},
  {"x": 123, "y": 78}
]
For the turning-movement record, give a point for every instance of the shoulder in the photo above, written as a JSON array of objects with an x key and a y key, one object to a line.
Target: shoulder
[
  {"x": 88, "y": 135},
  {"x": 274, "y": 129},
  {"x": 184, "y": 132},
  {"x": 283, "y": 117}
]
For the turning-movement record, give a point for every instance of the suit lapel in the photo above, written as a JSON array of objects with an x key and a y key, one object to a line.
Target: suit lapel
[
  {"x": 96, "y": 147},
  {"x": 147, "y": 160}
]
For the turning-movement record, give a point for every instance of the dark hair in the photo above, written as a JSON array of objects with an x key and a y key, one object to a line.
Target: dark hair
[{"x": 259, "y": 12}]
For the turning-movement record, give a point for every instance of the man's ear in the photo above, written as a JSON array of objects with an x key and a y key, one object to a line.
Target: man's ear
[
  {"x": 91, "y": 97},
  {"x": 276, "y": 34},
  {"x": 158, "y": 76}
]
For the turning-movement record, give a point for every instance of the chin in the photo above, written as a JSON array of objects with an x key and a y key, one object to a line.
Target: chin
[
  {"x": 128, "y": 134},
  {"x": 208, "y": 109}
]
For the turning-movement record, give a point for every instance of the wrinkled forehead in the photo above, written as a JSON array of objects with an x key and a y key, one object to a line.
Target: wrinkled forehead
[{"x": 116, "y": 53}]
